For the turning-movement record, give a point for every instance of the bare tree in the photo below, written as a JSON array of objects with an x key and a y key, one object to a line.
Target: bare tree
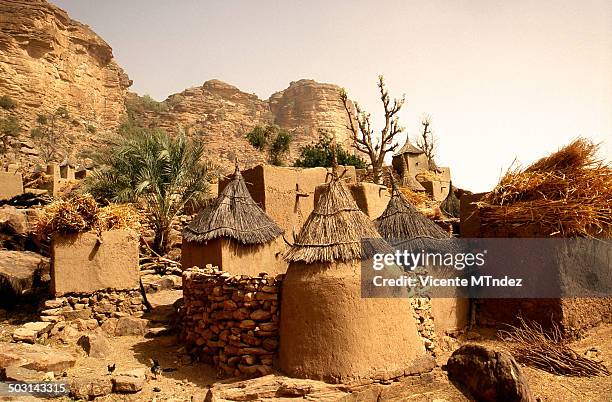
[
  {"x": 427, "y": 142},
  {"x": 363, "y": 135}
]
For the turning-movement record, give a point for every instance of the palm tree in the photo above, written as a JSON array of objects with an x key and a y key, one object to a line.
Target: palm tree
[{"x": 160, "y": 172}]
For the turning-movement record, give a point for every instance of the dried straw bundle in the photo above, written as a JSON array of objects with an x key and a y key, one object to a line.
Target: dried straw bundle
[
  {"x": 569, "y": 192},
  {"x": 335, "y": 229},
  {"x": 118, "y": 216},
  {"x": 415, "y": 198},
  {"x": 234, "y": 214},
  {"x": 549, "y": 351},
  {"x": 81, "y": 214}
]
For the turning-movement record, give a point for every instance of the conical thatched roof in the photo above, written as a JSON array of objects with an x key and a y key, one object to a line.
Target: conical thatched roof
[
  {"x": 450, "y": 205},
  {"x": 402, "y": 221},
  {"x": 335, "y": 229},
  {"x": 235, "y": 215},
  {"x": 408, "y": 148}
]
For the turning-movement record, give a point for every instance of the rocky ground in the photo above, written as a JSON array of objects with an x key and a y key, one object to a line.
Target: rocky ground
[{"x": 182, "y": 379}]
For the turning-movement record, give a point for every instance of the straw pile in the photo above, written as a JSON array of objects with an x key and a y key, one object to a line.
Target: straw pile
[
  {"x": 335, "y": 229},
  {"x": 415, "y": 198},
  {"x": 549, "y": 351},
  {"x": 568, "y": 192},
  {"x": 234, "y": 214},
  {"x": 81, "y": 214}
]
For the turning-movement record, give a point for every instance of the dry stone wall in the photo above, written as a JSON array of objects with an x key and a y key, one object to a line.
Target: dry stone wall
[
  {"x": 231, "y": 321},
  {"x": 423, "y": 314},
  {"x": 95, "y": 308}
]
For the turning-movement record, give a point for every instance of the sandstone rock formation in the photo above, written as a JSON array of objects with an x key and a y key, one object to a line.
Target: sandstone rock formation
[
  {"x": 220, "y": 115},
  {"x": 306, "y": 106},
  {"x": 48, "y": 60}
]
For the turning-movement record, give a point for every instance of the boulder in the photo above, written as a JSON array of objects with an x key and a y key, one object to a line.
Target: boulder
[
  {"x": 30, "y": 331},
  {"x": 488, "y": 375},
  {"x": 35, "y": 357},
  {"x": 129, "y": 381},
  {"x": 19, "y": 270},
  {"x": 130, "y": 326},
  {"x": 95, "y": 345},
  {"x": 22, "y": 374},
  {"x": 90, "y": 388},
  {"x": 13, "y": 221}
]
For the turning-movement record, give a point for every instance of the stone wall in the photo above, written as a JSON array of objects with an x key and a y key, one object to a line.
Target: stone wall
[
  {"x": 94, "y": 309},
  {"x": 231, "y": 321}
]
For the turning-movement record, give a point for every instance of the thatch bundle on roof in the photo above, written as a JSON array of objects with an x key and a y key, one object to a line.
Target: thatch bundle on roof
[
  {"x": 335, "y": 229},
  {"x": 234, "y": 214},
  {"x": 81, "y": 214},
  {"x": 402, "y": 221},
  {"x": 450, "y": 205},
  {"x": 568, "y": 192}
]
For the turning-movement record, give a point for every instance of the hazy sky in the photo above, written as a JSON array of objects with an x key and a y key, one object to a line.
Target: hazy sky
[{"x": 501, "y": 79}]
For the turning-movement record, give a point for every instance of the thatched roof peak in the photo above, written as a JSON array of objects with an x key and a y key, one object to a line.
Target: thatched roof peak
[
  {"x": 335, "y": 229},
  {"x": 408, "y": 148},
  {"x": 234, "y": 215},
  {"x": 402, "y": 221},
  {"x": 450, "y": 206}
]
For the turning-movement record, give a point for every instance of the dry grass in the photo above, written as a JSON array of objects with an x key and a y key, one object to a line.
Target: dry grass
[
  {"x": 549, "y": 351},
  {"x": 428, "y": 175},
  {"x": 234, "y": 214},
  {"x": 82, "y": 214},
  {"x": 569, "y": 192},
  {"x": 419, "y": 199}
]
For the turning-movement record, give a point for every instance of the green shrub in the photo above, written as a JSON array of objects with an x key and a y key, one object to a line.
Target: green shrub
[
  {"x": 9, "y": 127},
  {"x": 42, "y": 120},
  {"x": 160, "y": 172},
  {"x": 273, "y": 138},
  {"x": 62, "y": 112},
  {"x": 258, "y": 137},
  {"x": 7, "y": 103},
  {"x": 320, "y": 154}
]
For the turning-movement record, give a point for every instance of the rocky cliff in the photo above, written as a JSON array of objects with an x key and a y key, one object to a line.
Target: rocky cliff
[
  {"x": 307, "y": 106},
  {"x": 220, "y": 115},
  {"x": 48, "y": 60}
]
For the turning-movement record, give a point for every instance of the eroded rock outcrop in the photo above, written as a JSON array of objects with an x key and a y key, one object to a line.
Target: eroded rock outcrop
[
  {"x": 220, "y": 115},
  {"x": 307, "y": 106},
  {"x": 47, "y": 61}
]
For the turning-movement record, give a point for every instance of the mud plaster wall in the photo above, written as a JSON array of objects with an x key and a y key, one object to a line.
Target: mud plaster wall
[
  {"x": 570, "y": 314},
  {"x": 438, "y": 190},
  {"x": 11, "y": 184},
  {"x": 286, "y": 193},
  {"x": 450, "y": 314},
  {"x": 231, "y": 321},
  {"x": 371, "y": 198},
  {"x": 82, "y": 263},
  {"x": 235, "y": 258},
  {"x": 329, "y": 332}
]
